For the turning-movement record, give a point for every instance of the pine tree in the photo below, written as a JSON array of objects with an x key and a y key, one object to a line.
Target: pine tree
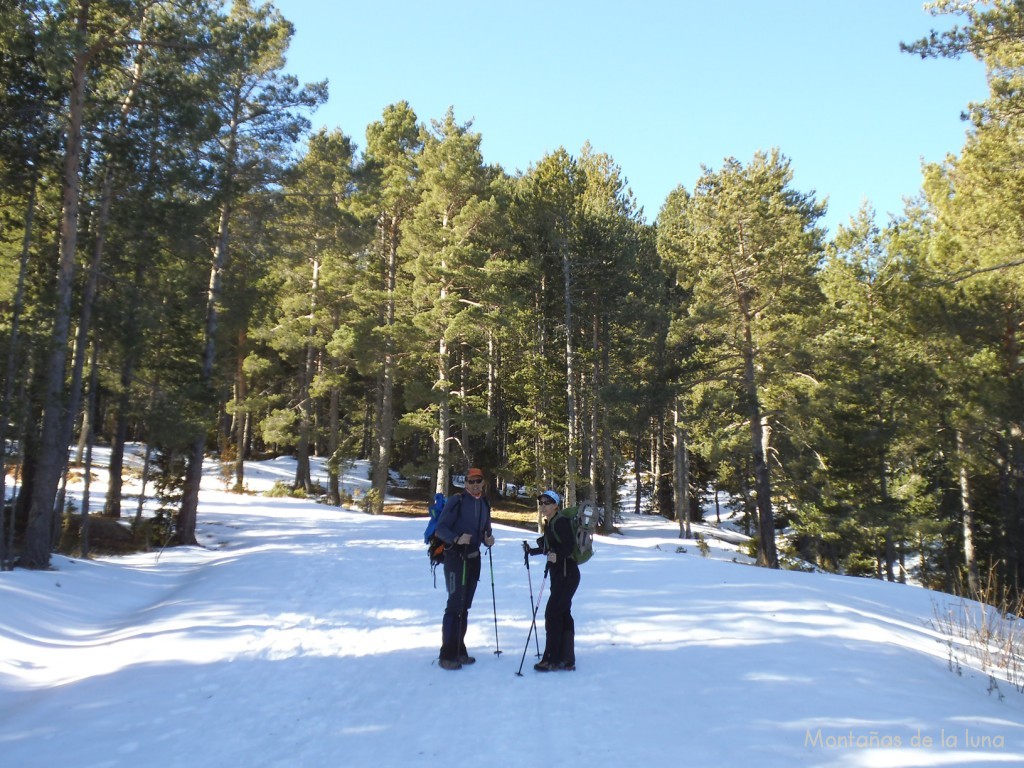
[
  {"x": 976, "y": 248},
  {"x": 393, "y": 147},
  {"x": 446, "y": 238},
  {"x": 95, "y": 42},
  {"x": 853, "y": 427},
  {"x": 545, "y": 445},
  {"x": 747, "y": 249},
  {"x": 261, "y": 114},
  {"x": 314, "y": 280}
]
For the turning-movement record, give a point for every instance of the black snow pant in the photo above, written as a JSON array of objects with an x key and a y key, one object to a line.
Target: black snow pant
[
  {"x": 461, "y": 574},
  {"x": 559, "y": 627}
]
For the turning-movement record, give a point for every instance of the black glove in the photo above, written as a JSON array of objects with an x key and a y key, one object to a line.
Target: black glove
[{"x": 528, "y": 550}]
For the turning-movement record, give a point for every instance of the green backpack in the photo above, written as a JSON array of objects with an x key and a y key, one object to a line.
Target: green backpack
[{"x": 583, "y": 522}]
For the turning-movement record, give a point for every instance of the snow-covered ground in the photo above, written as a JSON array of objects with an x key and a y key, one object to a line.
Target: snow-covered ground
[{"x": 304, "y": 635}]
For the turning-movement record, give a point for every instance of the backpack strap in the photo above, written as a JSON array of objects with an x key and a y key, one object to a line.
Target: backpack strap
[{"x": 553, "y": 529}]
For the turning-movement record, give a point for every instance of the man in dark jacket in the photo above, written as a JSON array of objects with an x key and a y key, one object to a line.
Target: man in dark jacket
[
  {"x": 557, "y": 543},
  {"x": 464, "y": 525}
]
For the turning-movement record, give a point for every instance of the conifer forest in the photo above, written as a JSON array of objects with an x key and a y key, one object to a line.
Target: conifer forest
[{"x": 186, "y": 264}]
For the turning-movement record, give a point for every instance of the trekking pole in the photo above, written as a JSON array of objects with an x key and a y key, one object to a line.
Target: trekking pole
[
  {"x": 463, "y": 618},
  {"x": 494, "y": 603},
  {"x": 529, "y": 578},
  {"x": 533, "y": 624}
]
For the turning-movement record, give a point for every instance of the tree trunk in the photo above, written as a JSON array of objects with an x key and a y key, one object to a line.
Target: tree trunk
[
  {"x": 767, "y": 555},
  {"x": 83, "y": 431},
  {"x": 186, "y": 524},
  {"x": 469, "y": 459},
  {"x": 112, "y": 506},
  {"x": 333, "y": 445},
  {"x": 143, "y": 483},
  {"x": 85, "y": 318},
  {"x": 303, "y": 477},
  {"x": 593, "y": 420},
  {"x": 663, "y": 490},
  {"x": 493, "y": 448},
  {"x": 610, "y": 475},
  {"x": 100, "y": 225},
  {"x": 967, "y": 521},
  {"x": 539, "y": 443},
  {"x": 187, "y": 515},
  {"x": 890, "y": 543},
  {"x": 637, "y": 477},
  {"x": 241, "y": 416},
  {"x": 385, "y": 418},
  {"x": 681, "y": 479},
  {"x": 611, "y": 499},
  {"x": 443, "y": 417},
  {"x": 115, "y": 467},
  {"x": 89, "y": 440},
  {"x": 39, "y": 535},
  {"x": 570, "y": 384}
]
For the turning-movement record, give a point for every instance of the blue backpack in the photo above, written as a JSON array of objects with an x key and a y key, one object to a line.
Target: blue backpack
[
  {"x": 435, "y": 547},
  {"x": 435, "y": 514}
]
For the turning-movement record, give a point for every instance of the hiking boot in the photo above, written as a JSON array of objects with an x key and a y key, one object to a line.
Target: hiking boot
[
  {"x": 548, "y": 666},
  {"x": 449, "y": 664},
  {"x": 466, "y": 659}
]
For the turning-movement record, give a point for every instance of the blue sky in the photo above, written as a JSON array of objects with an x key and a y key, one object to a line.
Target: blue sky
[{"x": 662, "y": 86}]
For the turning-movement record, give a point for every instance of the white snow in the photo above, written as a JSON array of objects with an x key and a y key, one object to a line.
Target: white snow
[{"x": 305, "y": 635}]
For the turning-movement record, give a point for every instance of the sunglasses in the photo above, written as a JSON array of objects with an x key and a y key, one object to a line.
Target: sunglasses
[
  {"x": 546, "y": 503},
  {"x": 475, "y": 481}
]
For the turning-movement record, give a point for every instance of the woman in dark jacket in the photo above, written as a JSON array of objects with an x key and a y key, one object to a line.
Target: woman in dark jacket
[{"x": 557, "y": 543}]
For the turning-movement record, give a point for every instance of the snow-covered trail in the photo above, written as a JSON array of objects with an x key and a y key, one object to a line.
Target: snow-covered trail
[{"x": 306, "y": 635}]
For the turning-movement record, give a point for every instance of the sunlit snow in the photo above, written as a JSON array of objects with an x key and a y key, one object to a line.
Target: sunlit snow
[{"x": 305, "y": 635}]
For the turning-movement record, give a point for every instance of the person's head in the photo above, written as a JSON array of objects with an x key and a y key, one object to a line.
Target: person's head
[
  {"x": 475, "y": 481},
  {"x": 549, "y": 502}
]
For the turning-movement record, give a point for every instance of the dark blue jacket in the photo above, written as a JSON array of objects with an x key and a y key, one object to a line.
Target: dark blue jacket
[{"x": 464, "y": 514}]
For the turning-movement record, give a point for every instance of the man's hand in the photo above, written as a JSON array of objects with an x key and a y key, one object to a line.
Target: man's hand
[{"x": 488, "y": 541}]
